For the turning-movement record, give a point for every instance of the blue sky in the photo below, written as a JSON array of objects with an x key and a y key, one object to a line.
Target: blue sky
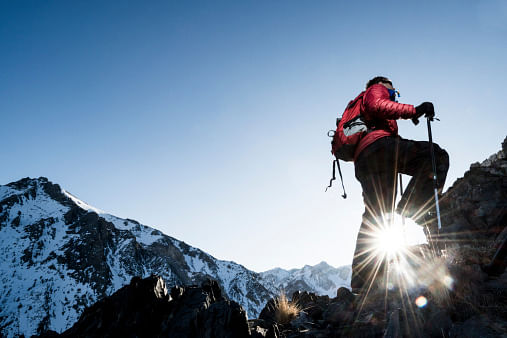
[{"x": 208, "y": 119}]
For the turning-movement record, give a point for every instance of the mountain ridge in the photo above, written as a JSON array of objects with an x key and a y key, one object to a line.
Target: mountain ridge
[{"x": 322, "y": 278}]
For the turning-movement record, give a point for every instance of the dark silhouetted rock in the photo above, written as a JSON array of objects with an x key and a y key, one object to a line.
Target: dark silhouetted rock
[
  {"x": 268, "y": 313},
  {"x": 135, "y": 310},
  {"x": 474, "y": 209},
  {"x": 344, "y": 295},
  {"x": 144, "y": 308},
  {"x": 480, "y": 326},
  {"x": 311, "y": 304}
]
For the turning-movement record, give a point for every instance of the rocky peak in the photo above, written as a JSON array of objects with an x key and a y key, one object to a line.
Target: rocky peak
[
  {"x": 30, "y": 186},
  {"x": 27, "y": 182}
]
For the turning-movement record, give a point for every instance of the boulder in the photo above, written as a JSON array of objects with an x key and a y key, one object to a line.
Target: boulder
[{"x": 344, "y": 295}]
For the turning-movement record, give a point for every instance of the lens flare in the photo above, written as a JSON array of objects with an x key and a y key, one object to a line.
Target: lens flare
[
  {"x": 448, "y": 281},
  {"x": 421, "y": 301}
]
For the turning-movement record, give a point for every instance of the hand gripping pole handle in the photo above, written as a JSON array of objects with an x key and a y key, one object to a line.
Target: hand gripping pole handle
[{"x": 434, "y": 165}]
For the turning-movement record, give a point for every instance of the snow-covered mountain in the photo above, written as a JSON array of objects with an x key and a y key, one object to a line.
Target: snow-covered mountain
[
  {"x": 321, "y": 279},
  {"x": 59, "y": 255}
]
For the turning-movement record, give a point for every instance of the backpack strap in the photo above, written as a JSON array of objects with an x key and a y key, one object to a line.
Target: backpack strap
[{"x": 337, "y": 162}]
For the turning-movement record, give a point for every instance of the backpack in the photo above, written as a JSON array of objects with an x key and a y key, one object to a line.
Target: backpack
[{"x": 350, "y": 129}]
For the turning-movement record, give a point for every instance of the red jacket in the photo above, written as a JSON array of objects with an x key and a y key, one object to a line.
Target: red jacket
[{"x": 381, "y": 114}]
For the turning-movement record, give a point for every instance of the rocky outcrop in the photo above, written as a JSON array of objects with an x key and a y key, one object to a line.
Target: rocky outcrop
[
  {"x": 469, "y": 305},
  {"x": 474, "y": 209},
  {"x": 144, "y": 308}
]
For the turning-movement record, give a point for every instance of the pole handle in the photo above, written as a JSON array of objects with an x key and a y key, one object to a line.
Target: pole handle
[{"x": 415, "y": 120}]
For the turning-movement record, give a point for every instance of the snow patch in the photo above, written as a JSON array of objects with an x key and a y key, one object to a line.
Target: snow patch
[
  {"x": 81, "y": 204},
  {"x": 6, "y": 191},
  {"x": 144, "y": 234}
]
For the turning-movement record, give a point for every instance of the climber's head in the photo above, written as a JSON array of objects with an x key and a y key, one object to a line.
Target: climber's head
[{"x": 382, "y": 80}]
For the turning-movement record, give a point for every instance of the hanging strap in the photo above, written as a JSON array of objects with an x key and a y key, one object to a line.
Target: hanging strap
[{"x": 334, "y": 177}]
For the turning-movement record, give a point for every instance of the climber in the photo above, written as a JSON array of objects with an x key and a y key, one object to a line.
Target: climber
[{"x": 380, "y": 155}]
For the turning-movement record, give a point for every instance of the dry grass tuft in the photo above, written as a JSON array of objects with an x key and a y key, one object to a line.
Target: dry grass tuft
[{"x": 285, "y": 311}]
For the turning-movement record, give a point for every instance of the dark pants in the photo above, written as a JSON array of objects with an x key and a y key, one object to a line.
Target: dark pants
[{"x": 376, "y": 169}]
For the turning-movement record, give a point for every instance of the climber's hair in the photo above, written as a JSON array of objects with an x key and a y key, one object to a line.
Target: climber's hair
[{"x": 378, "y": 79}]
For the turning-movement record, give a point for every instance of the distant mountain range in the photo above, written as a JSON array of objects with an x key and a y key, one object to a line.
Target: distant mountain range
[
  {"x": 59, "y": 255},
  {"x": 321, "y": 279}
]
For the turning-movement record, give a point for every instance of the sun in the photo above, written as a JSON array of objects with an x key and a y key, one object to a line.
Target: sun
[
  {"x": 394, "y": 235},
  {"x": 389, "y": 240}
]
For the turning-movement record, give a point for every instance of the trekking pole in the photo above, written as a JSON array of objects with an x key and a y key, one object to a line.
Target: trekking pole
[
  {"x": 402, "y": 216},
  {"x": 401, "y": 194},
  {"x": 435, "y": 182}
]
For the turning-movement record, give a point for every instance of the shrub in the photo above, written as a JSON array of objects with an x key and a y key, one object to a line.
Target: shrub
[{"x": 285, "y": 311}]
